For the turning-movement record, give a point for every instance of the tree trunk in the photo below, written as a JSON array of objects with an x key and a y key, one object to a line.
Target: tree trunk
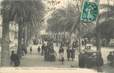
[
  {"x": 5, "y": 52},
  {"x": 107, "y": 41},
  {"x": 30, "y": 31},
  {"x": 98, "y": 42},
  {"x": 25, "y": 39},
  {"x": 25, "y": 36},
  {"x": 98, "y": 35},
  {"x": 20, "y": 40},
  {"x": 28, "y": 34}
]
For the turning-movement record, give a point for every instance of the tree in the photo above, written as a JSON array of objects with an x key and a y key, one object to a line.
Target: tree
[
  {"x": 60, "y": 21},
  {"x": 22, "y": 12},
  {"x": 106, "y": 27},
  {"x": 67, "y": 19},
  {"x": 106, "y": 30},
  {"x": 5, "y": 12}
]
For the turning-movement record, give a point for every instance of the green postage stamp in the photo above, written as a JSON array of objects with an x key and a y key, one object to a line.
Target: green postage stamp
[{"x": 89, "y": 11}]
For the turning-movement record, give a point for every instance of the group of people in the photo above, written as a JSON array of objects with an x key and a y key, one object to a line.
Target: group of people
[
  {"x": 70, "y": 54},
  {"x": 86, "y": 58},
  {"x": 38, "y": 49},
  {"x": 48, "y": 52},
  {"x": 110, "y": 58}
]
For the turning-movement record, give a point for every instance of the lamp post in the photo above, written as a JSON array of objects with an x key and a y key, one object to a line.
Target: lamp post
[{"x": 98, "y": 42}]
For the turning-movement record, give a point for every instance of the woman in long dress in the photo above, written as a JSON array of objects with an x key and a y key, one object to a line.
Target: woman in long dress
[{"x": 61, "y": 54}]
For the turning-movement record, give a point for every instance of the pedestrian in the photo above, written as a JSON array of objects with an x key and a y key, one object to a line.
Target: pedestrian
[
  {"x": 81, "y": 60},
  {"x": 113, "y": 59},
  {"x": 23, "y": 52},
  {"x": 61, "y": 54},
  {"x": 85, "y": 59},
  {"x": 73, "y": 53},
  {"x": 52, "y": 55},
  {"x": 38, "y": 49},
  {"x": 24, "y": 49},
  {"x": 99, "y": 62},
  {"x": 15, "y": 61},
  {"x": 43, "y": 49},
  {"x": 83, "y": 42},
  {"x": 30, "y": 50},
  {"x": 68, "y": 54},
  {"x": 46, "y": 53},
  {"x": 62, "y": 59},
  {"x": 12, "y": 58},
  {"x": 110, "y": 58}
]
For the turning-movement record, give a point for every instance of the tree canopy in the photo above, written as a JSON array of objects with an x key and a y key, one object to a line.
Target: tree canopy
[
  {"x": 21, "y": 10},
  {"x": 63, "y": 19},
  {"x": 106, "y": 27}
]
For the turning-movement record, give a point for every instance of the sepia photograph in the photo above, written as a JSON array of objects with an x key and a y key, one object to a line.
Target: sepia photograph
[{"x": 63, "y": 34}]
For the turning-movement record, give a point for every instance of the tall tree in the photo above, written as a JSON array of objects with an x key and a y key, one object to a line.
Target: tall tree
[
  {"x": 5, "y": 12},
  {"x": 60, "y": 21},
  {"x": 105, "y": 27},
  {"x": 22, "y": 12}
]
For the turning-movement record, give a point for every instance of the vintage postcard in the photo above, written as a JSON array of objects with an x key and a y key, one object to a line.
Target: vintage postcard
[{"x": 71, "y": 36}]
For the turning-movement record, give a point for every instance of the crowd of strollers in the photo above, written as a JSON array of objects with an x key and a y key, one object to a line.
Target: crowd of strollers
[
  {"x": 86, "y": 59},
  {"x": 50, "y": 55}
]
